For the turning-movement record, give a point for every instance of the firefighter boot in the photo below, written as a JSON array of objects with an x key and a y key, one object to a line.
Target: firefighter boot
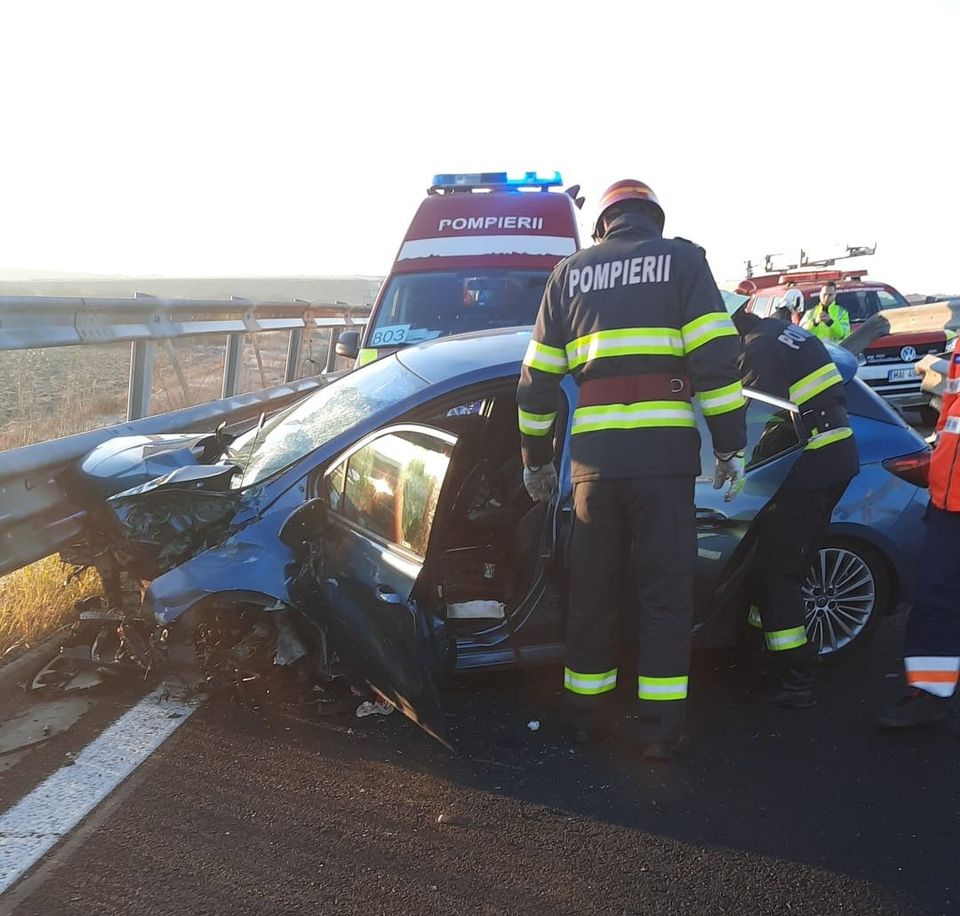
[
  {"x": 591, "y": 725},
  {"x": 791, "y": 688},
  {"x": 664, "y": 750},
  {"x": 915, "y": 708}
]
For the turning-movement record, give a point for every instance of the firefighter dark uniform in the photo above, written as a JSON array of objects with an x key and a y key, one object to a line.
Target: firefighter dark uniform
[
  {"x": 637, "y": 320},
  {"x": 788, "y": 362},
  {"x": 931, "y": 645}
]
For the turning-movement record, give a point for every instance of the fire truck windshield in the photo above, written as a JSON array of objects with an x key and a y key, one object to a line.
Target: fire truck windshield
[{"x": 422, "y": 306}]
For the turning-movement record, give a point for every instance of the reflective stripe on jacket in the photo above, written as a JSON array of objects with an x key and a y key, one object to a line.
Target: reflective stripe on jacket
[
  {"x": 789, "y": 362},
  {"x": 637, "y": 320},
  {"x": 835, "y": 332},
  {"x": 951, "y": 390}
]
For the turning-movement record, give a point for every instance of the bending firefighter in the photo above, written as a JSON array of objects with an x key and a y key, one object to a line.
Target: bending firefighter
[
  {"x": 786, "y": 361},
  {"x": 638, "y": 322},
  {"x": 931, "y": 644}
]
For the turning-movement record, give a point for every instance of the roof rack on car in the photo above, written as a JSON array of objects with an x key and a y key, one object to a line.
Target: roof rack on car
[{"x": 805, "y": 261}]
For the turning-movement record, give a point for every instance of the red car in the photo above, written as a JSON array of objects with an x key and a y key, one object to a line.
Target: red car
[{"x": 888, "y": 365}]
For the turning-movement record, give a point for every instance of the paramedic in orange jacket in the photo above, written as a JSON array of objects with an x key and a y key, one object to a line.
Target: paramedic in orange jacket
[{"x": 931, "y": 651}]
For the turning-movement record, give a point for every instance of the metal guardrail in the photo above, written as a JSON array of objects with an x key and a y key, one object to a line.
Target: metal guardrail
[
  {"x": 38, "y": 517},
  {"x": 28, "y": 322}
]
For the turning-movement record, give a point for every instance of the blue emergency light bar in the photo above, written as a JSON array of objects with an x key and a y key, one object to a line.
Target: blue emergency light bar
[{"x": 495, "y": 181}]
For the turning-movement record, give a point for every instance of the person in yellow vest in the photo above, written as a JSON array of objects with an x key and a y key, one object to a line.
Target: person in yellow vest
[{"x": 829, "y": 321}]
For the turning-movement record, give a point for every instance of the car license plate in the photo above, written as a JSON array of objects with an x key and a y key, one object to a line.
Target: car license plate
[{"x": 903, "y": 375}]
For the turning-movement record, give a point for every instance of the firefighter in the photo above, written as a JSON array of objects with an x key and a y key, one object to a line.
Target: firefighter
[
  {"x": 829, "y": 321},
  {"x": 639, "y": 323},
  {"x": 791, "y": 308},
  {"x": 787, "y": 361},
  {"x": 931, "y": 645}
]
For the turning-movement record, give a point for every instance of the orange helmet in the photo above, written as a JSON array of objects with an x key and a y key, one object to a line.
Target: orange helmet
[{"x": 628, "y": 189}]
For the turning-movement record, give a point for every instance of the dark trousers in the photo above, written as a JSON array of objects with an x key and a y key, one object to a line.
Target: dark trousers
[
  {"x": 648, "y": 522},
  {"x": 931, "y": 645},
  {"x": 788, "y": 532}
]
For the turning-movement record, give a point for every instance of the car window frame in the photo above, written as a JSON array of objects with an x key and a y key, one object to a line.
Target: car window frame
[
  {"x": 772, "y": 401},
  {"x": 795, "y": 416},
  {"x": 317, "y": 487}
]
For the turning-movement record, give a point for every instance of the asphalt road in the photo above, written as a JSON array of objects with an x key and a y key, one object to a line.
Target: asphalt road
[{"x": 800, "y": 812}]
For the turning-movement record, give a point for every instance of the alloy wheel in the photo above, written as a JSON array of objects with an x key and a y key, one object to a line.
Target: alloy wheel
[{"x": 840, "y": 596}]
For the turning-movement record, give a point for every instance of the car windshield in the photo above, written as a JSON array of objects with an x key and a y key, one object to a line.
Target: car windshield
[
  {"x": 423, "y": 306},
  {"x": 323, "y": 416},
  {"x": 860, "y": 303}
]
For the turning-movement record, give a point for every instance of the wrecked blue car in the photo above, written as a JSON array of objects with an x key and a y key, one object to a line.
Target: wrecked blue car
[{"x": 378, "y": 530}]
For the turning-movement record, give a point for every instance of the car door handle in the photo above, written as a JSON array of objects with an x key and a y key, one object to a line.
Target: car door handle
[
  {"x": 387, "y": 595},
  {"x": 712, "y": 518}
]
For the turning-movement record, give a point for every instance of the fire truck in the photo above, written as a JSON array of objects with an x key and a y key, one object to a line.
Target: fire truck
[
  {"x": 888, "y": 365},
  {"x": 476, "y": 256}
]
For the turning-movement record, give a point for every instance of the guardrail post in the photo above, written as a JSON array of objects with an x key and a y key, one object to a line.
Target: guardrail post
[
  {"x": 141, "y": 379},
  {"x": 231, "y": 364},
  {"x": 294, "y": 346},
  {"x": 332, "y": 349}
]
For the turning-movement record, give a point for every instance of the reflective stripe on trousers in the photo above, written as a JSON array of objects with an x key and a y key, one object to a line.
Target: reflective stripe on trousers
[
  {"x": 662, "y": 688},
  {"x": 781, "y": 640},
  {"x": 589, "y": 684},
  {"x": 934, "y": 674}
]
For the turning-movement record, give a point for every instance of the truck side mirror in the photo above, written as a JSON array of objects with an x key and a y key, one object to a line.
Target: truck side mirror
[{"x": 348, "y": 344}]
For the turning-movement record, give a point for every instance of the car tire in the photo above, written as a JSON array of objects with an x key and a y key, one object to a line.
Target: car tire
[{"x": 846, "y": 594}]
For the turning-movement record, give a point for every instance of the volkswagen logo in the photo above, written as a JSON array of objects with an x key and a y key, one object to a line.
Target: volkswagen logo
[{"x": 909, "y": 354}]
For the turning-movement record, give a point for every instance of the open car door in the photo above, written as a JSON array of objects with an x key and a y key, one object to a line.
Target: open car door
[
  {"x": 775, "y": 441},
  {"x": 380, "y": 500}
]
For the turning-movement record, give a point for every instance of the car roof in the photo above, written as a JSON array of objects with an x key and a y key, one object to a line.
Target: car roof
[
  {"x": 843, "y": 286},
  {"x": 495, "y": 353},
  {"x": 499, "y": 353}
]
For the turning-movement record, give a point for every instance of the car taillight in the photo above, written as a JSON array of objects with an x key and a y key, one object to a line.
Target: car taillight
[{"x": 913, "y": 468}]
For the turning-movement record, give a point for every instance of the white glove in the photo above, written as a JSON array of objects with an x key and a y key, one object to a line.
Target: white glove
[
  {"x": 541, "y": 483},
  {"x": 729, "y": 467}
]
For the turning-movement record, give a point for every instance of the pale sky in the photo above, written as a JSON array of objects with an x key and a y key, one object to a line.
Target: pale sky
[{"x": 208, "y": 138}]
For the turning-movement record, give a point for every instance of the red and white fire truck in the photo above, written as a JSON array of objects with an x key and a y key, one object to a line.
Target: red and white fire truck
[
  {"x": 477, "y": 256},
  {"x": 888, "y": 365}
]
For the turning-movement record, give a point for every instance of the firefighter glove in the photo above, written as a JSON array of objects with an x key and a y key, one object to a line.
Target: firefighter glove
[
  {"x": 541, "y": 483},
  {"x": 729, "y": 467}
]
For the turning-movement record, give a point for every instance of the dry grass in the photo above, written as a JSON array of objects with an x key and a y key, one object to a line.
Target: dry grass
[
  {"x": 47, "y": 394},
  {"x": 37, "y": 599}
]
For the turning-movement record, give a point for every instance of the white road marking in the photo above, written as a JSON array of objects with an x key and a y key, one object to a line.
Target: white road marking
[{"x": 46, "y": 815}]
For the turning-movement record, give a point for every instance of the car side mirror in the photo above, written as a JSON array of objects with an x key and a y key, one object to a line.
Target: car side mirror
[
  {"x": 348, "y": 344},
  {"x": 304, "y": 523}
]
